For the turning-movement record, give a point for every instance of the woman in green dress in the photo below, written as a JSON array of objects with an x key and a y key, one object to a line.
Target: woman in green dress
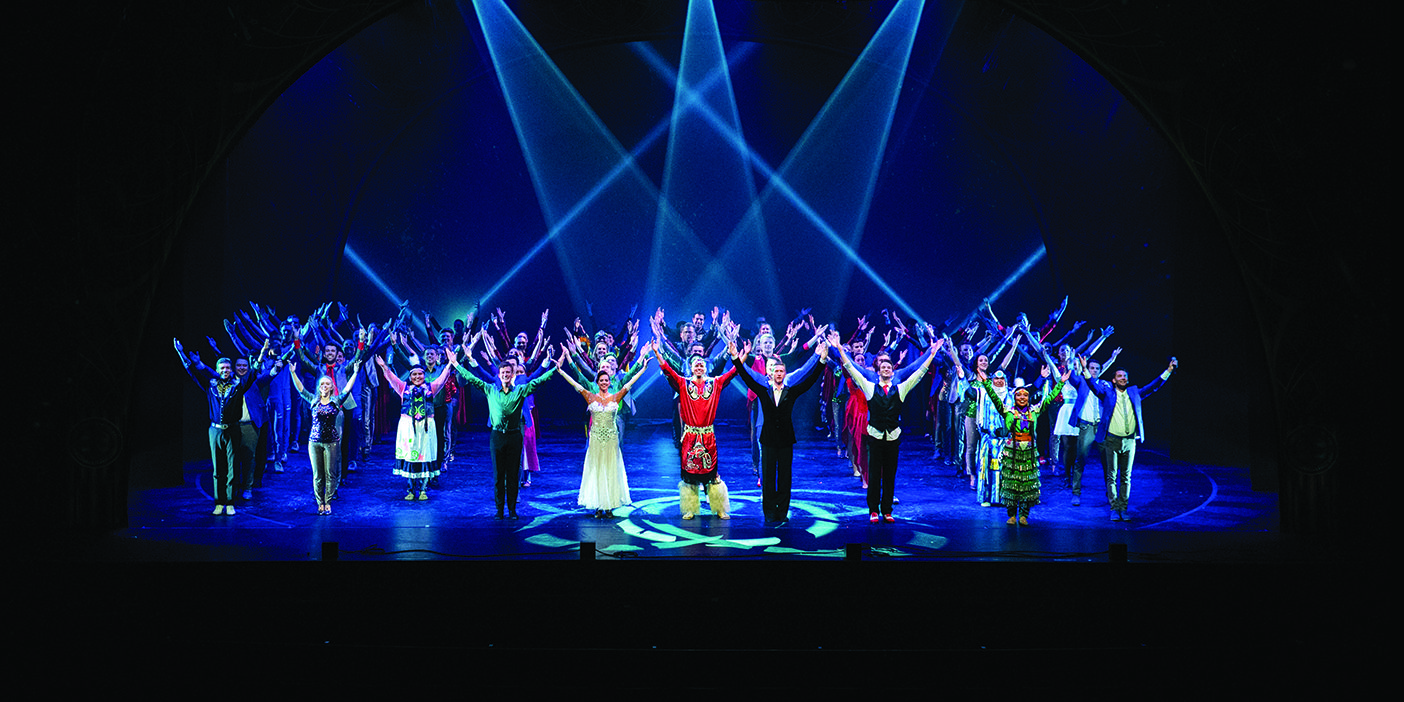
[{"x": 1019, "y": 486}]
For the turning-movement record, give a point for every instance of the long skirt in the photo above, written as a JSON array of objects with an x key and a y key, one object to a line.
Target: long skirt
[
  {"x": 1019, "y": 484},
  {"x": 416, "y": 448}
]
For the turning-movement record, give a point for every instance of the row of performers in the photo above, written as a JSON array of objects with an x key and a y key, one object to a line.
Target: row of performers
[{"x": 997, "y": 437}]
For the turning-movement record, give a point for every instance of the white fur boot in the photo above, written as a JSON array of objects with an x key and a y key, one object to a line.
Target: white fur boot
[
  {"x": 718, "y": 499},
  {"x": 688, "y": 500}
]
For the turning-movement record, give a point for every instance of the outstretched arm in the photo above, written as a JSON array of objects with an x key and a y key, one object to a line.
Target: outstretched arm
[
  {"x": 296, "y": 381},
  {"x": 625, "y": 390},
  {"x": 578, "y": 387},
  {"x": 393, "y": 380}
]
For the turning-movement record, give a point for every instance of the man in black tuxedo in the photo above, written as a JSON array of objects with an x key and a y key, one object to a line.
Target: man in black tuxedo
[{"x": 776, "y": 399}]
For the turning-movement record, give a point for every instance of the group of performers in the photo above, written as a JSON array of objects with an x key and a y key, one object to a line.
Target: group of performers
[{"x": 984, "y": 424}]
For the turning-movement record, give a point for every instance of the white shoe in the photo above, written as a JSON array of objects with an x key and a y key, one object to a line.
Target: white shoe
[
  {"x": 219, "y": 509},
  {"x": 229, "y": 510},
  {"x": 688, "y": 515}
]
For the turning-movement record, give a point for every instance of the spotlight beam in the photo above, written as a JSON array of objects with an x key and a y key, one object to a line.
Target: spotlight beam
[
  {"x": 350, "y": 254},
  {"x": 903, "y": 19},
  {"x": 519, "y": 63},
  {"x": 1019, "y": 273},
  {"x": 707, "y": 184}
]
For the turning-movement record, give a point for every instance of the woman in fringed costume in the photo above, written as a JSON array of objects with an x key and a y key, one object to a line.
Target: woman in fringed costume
[
  {"x": 989, "y": 449},
  {"x": 416, "y": 438},
  {"x": 1019, "y": 485}
]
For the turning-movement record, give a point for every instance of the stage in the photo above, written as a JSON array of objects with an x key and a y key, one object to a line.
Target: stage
[
  {"x": 1199, "y": 590},
  {"x": 1179, "y": 512}
]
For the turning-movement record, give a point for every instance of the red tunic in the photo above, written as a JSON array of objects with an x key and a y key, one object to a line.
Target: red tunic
[{"x": 697, "y": 404}]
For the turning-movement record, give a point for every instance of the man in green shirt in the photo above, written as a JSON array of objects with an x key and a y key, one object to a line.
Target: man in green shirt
[{"x": 505, "y": 399}]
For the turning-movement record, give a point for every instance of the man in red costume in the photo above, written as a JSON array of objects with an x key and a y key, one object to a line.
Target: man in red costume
[{"x": 698, "y": 397}]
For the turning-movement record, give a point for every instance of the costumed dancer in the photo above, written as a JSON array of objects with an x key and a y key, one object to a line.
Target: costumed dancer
[
  {"x": 698, "y": 397},
  {"x": 993, "y": 433},
  {"x": 1019, "y": 486},
  {"x": 416, "y": 437},
  {"x": 324, "y": 440},
  {"x": 224, "y": 393},
  {"x": 504, "y": 399},
  {"x": 603, "y": 483}
]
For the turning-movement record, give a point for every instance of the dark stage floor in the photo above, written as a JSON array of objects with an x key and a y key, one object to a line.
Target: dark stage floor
[
  {"x": 1211, "y": 596},
  {"x": 1179, "y": 512}
]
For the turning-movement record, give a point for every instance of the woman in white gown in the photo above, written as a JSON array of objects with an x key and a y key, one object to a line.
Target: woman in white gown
[{"x": 603, "y": 484}]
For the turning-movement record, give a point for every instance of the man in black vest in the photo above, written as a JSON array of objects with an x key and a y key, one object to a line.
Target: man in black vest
[
  {"x": 777, "y": 439},
  {"x": 885, "y": 395}
]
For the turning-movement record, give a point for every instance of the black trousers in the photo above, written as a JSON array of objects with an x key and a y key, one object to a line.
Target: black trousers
[
  {"x": 775, "y": 464},
  {"x": 506, "y": 459},
  {"x": 882, "y": 472},
  {"x": 224, "y": 446}
]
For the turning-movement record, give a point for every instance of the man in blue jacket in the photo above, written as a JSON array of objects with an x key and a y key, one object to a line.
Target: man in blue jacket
[{"x": 1120, "y": 429}]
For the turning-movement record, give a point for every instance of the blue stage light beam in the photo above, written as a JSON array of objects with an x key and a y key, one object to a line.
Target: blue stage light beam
[
  {"x": 849, "y": 137},
  {"x": 621, "y": 167},
  {"x": 776, "y": 184},
  {"x": 659, "y": 129},
  {"x": 875, "y": 78},
  {"x": 707, "y": 183},
  {"x": 1014, "y": 277},
  {"x": 523, "y": 48},
  {"x": 570, "y": 154},
  {"x": 365, "y": 269},
  {"x": 380, "y": 284}
]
